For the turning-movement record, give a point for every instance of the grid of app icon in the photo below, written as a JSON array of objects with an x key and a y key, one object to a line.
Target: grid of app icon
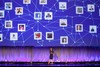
[
  {"x": 63, "y": 5},
  {"x": 99, "y": 12},
  {"x": 64, "y": 40},
  {"x": 43, "y": 2},
  {"x": 8, "y": 24},
  {"x": 8, "y": 5},
  {"x": 63, "y": 22},
  {"x": 19, "y": 10},
  {"x": 91, "y": 8},
  {"x": 38, "y": 15},
  {"x": 79, "y": 10},
  {"x": 93, "y": 29},
  {"x": 13, "y": 36},
  {"x": 26, "y": 1},
  {"x": 2, "y": 14},
  {"x": 48, "y": 16},
  {"x": 49, "y": 36},
  {"x": 21, "y": 27},
  {"x": 37, "y": 35},
  {"x": 41, "y": 22},
  {"x": 1, "y": 37},
  {"x": 79, "y": 27}
]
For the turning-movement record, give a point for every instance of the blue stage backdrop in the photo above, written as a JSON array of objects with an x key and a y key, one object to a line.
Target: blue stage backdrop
[{"x": 42, "y": 23}]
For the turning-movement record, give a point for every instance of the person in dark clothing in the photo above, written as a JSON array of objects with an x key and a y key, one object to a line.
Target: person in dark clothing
[{"x": 51, "y": 56}]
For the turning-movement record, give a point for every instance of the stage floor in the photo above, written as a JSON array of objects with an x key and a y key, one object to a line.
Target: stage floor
[{"x": 46, "y": 64}]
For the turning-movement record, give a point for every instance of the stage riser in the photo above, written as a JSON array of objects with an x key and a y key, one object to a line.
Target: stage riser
[{"x": 28, "y": 54}]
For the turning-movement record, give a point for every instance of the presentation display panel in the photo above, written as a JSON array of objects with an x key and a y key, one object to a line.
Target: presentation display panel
[{"x": 41, "y": 23}]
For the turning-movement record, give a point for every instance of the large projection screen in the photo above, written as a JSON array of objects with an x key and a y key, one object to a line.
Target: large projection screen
[{"x": 41, "y": 23}]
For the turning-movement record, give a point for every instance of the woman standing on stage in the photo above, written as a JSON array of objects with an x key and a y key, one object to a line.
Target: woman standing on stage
[{"x": 51, "y": 60}]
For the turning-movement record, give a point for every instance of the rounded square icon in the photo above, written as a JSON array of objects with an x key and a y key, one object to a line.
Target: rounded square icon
[
  {"x": 38, "y": 15},
  {"x": 79, "y": 10},
  {"x": 21, "y": 27},
  {"x": 63, "y": 22},
  {"x": 43, "y": 2},
  {"x": 8, "y": 24},
  {"x": 19, "y": 10},
  {"x": 63, "y": 39},
  {"x": 49, "y": 36},
  {"x": 92, "y": 29},
  {"x": 37, "y": 35},
  {"x": 62, "y": 5},
  {"x": 8, "y": 5},
  {"x": 26, "y": 1},
  {"x": 1, "y": 37},
  {"x": 48, "y": 16},
  {"x": 79, "y": 27},
  {"x": 2, "y": 15},
  {"x": 13, "y": 36},
  {"x": 91, "y": 8},
  {"x": 99, "y": 12}
]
